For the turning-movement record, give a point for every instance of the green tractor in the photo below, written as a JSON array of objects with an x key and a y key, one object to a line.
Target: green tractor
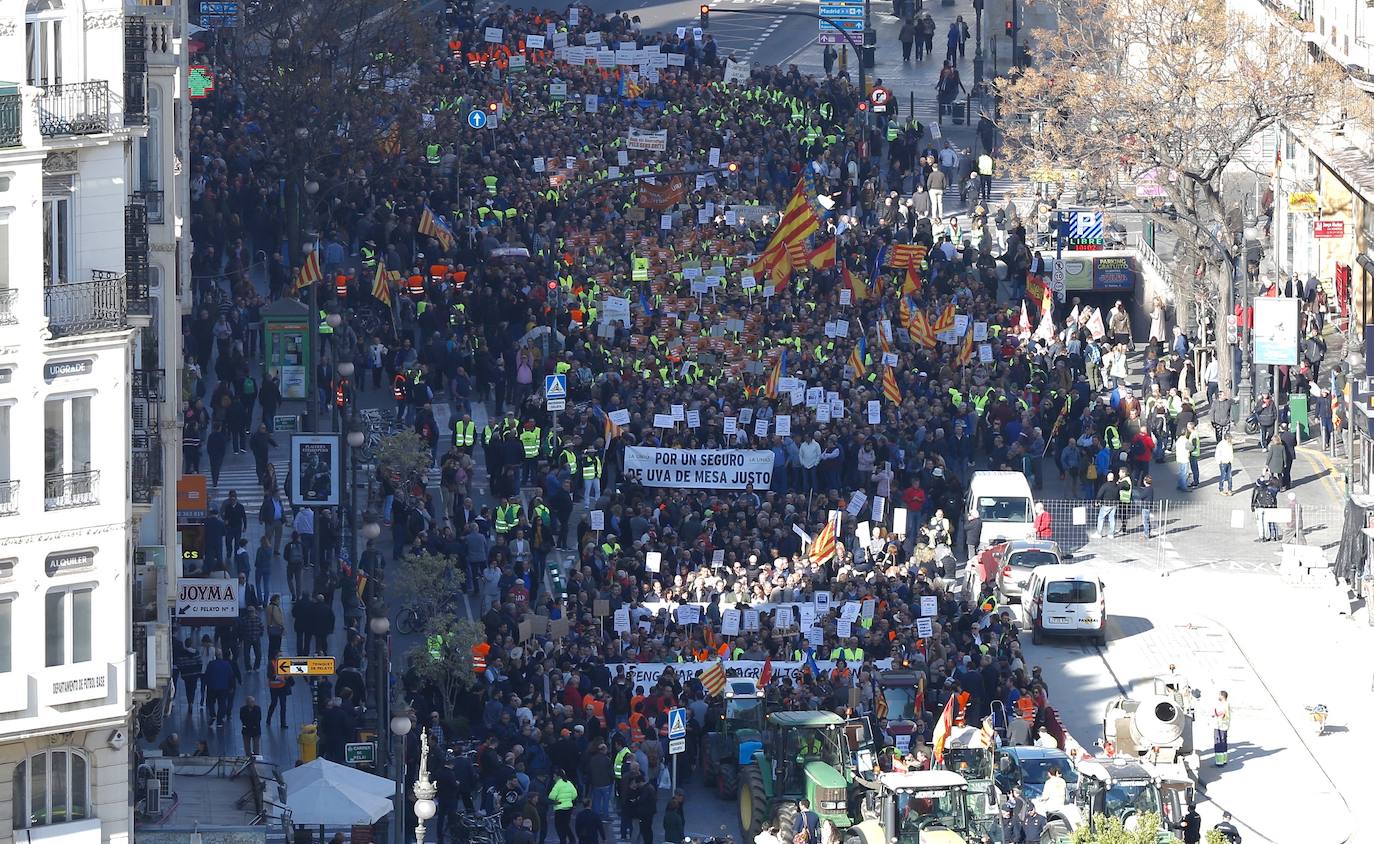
[
  {"x": 739, "y": 721},
  {"x": 811, "y": 755}
]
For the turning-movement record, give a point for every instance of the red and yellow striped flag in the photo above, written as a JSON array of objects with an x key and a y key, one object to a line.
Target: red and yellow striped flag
[
  {"x": 310, "y": 271},
  {"x": 713, "y": 679},
  {"x": 945, "y": 322},
  {"x": 823, "y": 547},
  {"x": 381, "y": 285},
  {"x": 911, "y": 282},
  {"x": 920, "y": 330},
  {"x": 965, "y": 350},
  {"x": 890, "y": 390}
]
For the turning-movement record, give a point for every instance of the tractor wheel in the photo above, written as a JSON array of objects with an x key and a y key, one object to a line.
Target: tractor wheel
[
  {"x": 786, "y": 818},
  {"x": 727, "y": 781},
  {"x": 1057, "y": 832},
  {"x": 753, "y": 802}
]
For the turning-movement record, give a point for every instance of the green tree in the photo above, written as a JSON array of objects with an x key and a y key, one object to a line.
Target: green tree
[
  {"x": 426, "y": 582},
  {"x": 404, "y": 455},
  {"x": 1110, "y": 830},
  {"x": 451, "y": 673}
]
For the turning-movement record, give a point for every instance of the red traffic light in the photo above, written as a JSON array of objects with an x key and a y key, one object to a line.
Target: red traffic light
[
  {"x": 492, "y": 105},
  {"x": 553, "y": 285},
  {"x": 1011, "y": 27},
  {"x": 863, "y": 105},
  {"x": 705, "y": 15}
]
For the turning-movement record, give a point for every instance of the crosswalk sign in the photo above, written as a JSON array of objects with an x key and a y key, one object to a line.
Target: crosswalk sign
[
  {"x": 555, "y": 386},
  {"x": 677, "y": 723}
]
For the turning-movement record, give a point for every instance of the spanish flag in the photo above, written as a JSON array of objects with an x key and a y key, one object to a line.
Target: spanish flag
[
  {"x": 823, "y": 256},
  {"x": 381, "y": 285},
  {"x": 890, "y": 391},
  {"x": 911, "y": 283},
  {"x": 858, "y": 291}
]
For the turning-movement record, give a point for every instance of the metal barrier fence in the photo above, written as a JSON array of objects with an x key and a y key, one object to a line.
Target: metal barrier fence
[{"x": 1194, "y": 532}]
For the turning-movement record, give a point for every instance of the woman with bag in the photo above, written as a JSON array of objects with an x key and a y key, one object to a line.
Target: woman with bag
[{"x": 278, "y": 689}]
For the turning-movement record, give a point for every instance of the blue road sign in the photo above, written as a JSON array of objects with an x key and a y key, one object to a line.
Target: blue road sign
[
  {"x": 555, "y": 386},
  {"x": 677, "y": 723},
  {"x": 477, "y": 119}
]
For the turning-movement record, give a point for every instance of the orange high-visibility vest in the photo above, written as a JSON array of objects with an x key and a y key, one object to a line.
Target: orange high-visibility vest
[
  {"x": 479, "y": 656},
  {"x": 416, "y": 285},
  {"x": 341, "y": 285},
  {"x": 1026, "y": 707},
  {"x": 437, "y": 271}
]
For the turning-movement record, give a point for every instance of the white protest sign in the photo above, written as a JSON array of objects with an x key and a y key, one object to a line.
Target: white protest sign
[
  {"x": 494, "y": 35},
  {"x": 694, "y": 419},
  {"x": 598, "y": 519},
  {"x": 925, "y": 628},
  {"x": 875, "y": 412},
  {"x": 857, "y": 502},
  {"x": 688, "y": 614},
  {"x": 663, "y": 420},
  {"x": 761, "y": 428},
  {"x": 929, "y": 605},
  {"x": 534, "y": 42},
  {"x": 842, "y": 629},
  {"x": 731, "y": 426},
  {"x": 622, "y": 620},
  {"x": 751, "y": 620},
  {"x": 784, "y": 426},
  {"x": 729, "y": 622},
  {"x": 653, "y": 561}
]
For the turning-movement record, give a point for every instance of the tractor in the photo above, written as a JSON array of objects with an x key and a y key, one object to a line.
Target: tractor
[
  {"x": 740, "y": 720},
  {"x": 811, "y": 755},
  {"x": 901, "y": 693},
  {"x": 1121, "y": 788},
  {"x": 968, "y": 754},
  {"x": 920, "y": 807}
]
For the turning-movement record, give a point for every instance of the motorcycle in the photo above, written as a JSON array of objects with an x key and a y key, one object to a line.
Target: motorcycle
[{"x": 1318, "y": 714}]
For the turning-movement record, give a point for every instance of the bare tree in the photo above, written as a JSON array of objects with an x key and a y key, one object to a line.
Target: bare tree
[
  {"x": 1180, "y": 87},
  {"x": 316, "y": 75}
]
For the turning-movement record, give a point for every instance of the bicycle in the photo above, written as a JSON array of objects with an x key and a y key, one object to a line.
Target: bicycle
[
  {"x": 412, "y": 617},
  {"x": 479, "y": 829}
]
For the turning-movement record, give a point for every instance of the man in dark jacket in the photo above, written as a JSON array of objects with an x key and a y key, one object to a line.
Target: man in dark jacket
[
  {"x": 216, "y": 445},
  {"x": 260, "y": 443},
  {"x": 322, "y": 618},
  {"x": 250, "y": 635},
  {"x": 973, "y": 534},
  {"x": 221, "y": 678},
  {"x": 1221, "y": 414},
  {"x": 1289, "y": 440},
  {"x": 235, "y": 521}
]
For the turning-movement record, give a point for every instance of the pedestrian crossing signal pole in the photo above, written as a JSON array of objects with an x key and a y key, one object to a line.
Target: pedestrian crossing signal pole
[{"x": 705, "y": 16}]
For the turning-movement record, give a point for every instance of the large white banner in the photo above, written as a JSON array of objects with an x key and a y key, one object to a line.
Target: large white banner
[
  {"x": 647, "y": 673},
  {"x": 699, "y": 468}
]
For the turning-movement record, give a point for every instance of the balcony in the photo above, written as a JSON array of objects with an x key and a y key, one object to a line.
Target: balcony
[
  {"x": 8, "y": 296},
  {"x": 80, "y": 108},
  {"x": 9, "y": 498},
  {"x": 11, "y": 120},
  {"x": 135, "y": 71},
  {"x": 87, "y": 307},
  {"x": 145, "y": 472},
  {"x": 136, "y": 258},
  {"x": 147, "y": 384},
  {"x": 151, "y": 198},
  {"x": 73, "y": 489}
]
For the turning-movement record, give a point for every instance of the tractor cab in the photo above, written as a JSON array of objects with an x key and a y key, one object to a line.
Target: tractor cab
[{"x": 919, "y": 807}]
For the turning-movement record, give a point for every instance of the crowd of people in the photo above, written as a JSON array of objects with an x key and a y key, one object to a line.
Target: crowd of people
[{"x": 777, "y": 279}]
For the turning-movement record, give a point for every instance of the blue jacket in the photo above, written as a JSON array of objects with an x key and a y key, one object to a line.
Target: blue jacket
[{"x": 219, "y": 675}]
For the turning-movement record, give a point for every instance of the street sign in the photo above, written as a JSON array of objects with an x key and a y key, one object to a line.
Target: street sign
[
  {"x": 555, "y": 405},
  {"x": 207, "y": 599},
  {"x": 309, "y": 666},
  {"x": 555, "y": 386},
  {"x": 677, "y": 745},
  {"x": 677, "y": 723},
  {"x": 360, "y": 753},
  {"x": 880, "y": 97},
  {"x": 1057, "y": 279},
  {"x": 477, "y": 118}
]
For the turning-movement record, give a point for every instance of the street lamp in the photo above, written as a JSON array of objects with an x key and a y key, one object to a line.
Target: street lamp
[
  {"x": 424, "y": 790},
  {"x": 400, "y": 727}
]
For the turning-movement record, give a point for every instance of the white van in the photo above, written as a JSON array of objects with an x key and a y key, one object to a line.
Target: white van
[
  {"x": 1004, "y": 502},
  {"x": 1065, "y": 601}
]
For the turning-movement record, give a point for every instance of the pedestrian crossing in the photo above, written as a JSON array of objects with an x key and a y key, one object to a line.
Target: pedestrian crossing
[{"x": 243, "y": 479}]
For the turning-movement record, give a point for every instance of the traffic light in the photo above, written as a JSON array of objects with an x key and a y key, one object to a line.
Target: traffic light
[
  {"x": 705, "y": 16},
  {"x": 732, "y": 167},
  {"x": 1011, "y": 28},
  {"x": 492, "y": 105}
]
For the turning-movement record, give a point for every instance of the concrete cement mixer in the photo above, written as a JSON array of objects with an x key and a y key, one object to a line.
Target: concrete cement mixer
[{"x": 1157, "y": 730}]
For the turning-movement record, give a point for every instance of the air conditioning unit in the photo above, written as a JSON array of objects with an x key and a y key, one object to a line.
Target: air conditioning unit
[
  {"x": 162, "y": 777},
  {"x": 152, "y": 800}
]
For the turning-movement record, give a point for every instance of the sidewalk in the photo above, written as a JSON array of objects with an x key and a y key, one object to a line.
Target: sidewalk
[{"x": 1187, "y": 621}]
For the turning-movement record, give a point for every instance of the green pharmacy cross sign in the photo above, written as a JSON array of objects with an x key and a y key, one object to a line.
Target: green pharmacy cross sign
[{"x": 201, "y": 81}]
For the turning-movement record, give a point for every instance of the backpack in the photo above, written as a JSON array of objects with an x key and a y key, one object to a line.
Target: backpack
[{"x": 1092, "y": 354}]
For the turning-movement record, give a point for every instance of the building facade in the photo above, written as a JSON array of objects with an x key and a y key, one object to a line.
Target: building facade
[{"x": 92, "y": 130}]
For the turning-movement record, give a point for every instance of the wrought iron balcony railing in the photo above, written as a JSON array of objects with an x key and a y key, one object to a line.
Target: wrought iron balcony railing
[
  {"x": 79, "y": 108},
  {"x": 9, "y": 498},
  {"x": 87, "y": 307},
  {"x": 11, "y": 120},
  {"x": 8, "y": 296},
  {"x": 136, "y": 258},
  {"x": 72, "y": 489},
  {"x": 145, "y": 472}
]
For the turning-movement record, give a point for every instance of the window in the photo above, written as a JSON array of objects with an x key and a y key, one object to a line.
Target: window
[
  {"x": 67, "y": 626},
  {"x": 4, "y": 444},
  {"x": 57, "y": 228},
  {"x": 1071, "y": 592},
  {"x": 6, "y": 634},
  {"x": 51, "y": 788},
  {"x": 67, "y": 435},
  {"x": 150, "y": 146},
  {"x": 43, "y": 49}
]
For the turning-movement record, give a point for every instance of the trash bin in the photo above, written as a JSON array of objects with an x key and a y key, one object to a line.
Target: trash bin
[
  {"x": 958, "y": 112},
  {"x": 308, "y": 743}
]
